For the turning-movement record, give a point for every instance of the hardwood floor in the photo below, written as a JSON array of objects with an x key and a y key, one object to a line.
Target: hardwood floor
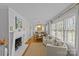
[{"x": 36, "y": 48}]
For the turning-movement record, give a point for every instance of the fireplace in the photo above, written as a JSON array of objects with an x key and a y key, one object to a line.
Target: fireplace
[{"x": 18, "y": 43}]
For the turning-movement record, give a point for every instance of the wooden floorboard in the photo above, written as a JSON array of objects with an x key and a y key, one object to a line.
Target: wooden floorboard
[{"x": 36, "y": 48}]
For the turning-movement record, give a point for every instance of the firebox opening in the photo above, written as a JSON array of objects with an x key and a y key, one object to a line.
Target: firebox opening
[{"x": 18, "y": 43}]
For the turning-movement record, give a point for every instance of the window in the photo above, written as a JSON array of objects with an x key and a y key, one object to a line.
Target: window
[
  {"x": 71, "y": 37},
  {"x": 53, "y": 30},
  {"x": 59, "y": 30},
  {"x": 65, "y": 30},
  {"x": 70, "y": 30},
  {"x": 47, "y": 28}
]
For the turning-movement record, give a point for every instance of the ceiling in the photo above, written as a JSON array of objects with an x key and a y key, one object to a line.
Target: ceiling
[{"x": 38, "y": 12}]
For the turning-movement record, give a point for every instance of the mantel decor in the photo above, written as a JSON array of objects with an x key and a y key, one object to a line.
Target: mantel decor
[{"x": 3, "y": 42}]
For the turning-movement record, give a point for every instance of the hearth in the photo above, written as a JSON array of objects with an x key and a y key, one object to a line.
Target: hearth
[{"x": 18, "y": 43}]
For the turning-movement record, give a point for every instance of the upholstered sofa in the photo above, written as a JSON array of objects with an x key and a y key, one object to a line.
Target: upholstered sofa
[
  {"x": 56, "y": 50},
  {"x": 55, "y": 47}
]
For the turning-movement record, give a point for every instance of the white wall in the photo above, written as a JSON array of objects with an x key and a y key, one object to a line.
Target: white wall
[
  {"x": 4, "y": 28},
  {"x": 25, "y": 31},
  {"x": 4, "y": 23},
  {"x": 77, "y": 30}
]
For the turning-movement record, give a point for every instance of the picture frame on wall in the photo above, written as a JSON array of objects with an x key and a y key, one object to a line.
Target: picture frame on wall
[{"x": 18, "y": 23}]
